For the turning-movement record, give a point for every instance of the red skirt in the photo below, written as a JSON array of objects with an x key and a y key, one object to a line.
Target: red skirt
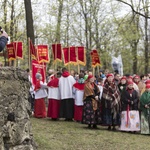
[
  {"x": 78, "y": 113},
  {"x": 53, "y": 108},
  {"x": 39, "y": 108}
]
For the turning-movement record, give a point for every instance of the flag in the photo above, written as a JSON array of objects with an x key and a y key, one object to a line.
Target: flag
[
  {"x": 38, "y": 67},
  {"x": 18, "y": 47},
  {"x": 81, "y": 57},
  {"x": 42, "y": 53},
  {"x": 72, "y": 55},
  {"x": 66, "y": 55},
  {"x": 11, "y": 52},
  {"x": 69, "y": 54},
  {"x": 32, "y": 50},
  {"x": 95, "y": 58},
  {"x": 57, "y": 52}
]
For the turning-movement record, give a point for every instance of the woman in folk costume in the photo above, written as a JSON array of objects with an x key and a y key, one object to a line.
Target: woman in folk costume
[
  {"x": 40, "y": 95},
  {"x": 78, "y": 91},
  {"x": 122, "y": 85},
  {"x": 145, "y": 111},
  {"x": 130, "y": 78},
  {"x": 130, "y": 120},
  {"x": 110, "y": 103},
  {"x": 136, "y": 79},
  {"x": 91, "y": 110},
  {"x": 142, "y": 84},
  {"x": 54, "y": 98}
]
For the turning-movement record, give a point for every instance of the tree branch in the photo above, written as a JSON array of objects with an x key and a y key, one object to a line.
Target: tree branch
[{"x": 134, "y": 9}]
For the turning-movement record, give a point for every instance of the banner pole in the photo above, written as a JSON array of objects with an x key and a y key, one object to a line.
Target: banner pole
[
  {"x": 93, "y": 71},
  {"x": 44, "y": 73},
  {"x": 56, "y": 55},
  {"x": 29, "y": 59},
  {"x": 76, "y": 50},
  {"x": 16, "y": 54},
  {"x": 69, "y": 58}
]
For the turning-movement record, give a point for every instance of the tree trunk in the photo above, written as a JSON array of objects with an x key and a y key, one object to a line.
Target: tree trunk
[
  {"x": 5, "y": 28},
  {"x": 146, "y": 46},
  {"x": 59, "y": 21},
  {"x": 29, "y": 20}
]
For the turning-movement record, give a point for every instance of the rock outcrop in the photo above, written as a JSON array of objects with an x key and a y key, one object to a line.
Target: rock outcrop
[{"x": 15, "y": 130}]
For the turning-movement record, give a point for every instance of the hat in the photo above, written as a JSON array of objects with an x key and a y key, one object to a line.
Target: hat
[
  {"x": 147, "y": 82},
  {"x": 109, "y": 75},
  {"x": 136, "y": 77},
  {"x": 90, "y": 76},
  {"x": 130, "y": 82},
  {"x": 85, "y": 77},
  {"x": 51, "y": 71},
  {"x": 130, "y": 77},
  {"x": 38, "y": 75},
  {"x": 148, "y": 86},
  {"x": 124, "y": 77},
  {"x": 103, "y": 76}
]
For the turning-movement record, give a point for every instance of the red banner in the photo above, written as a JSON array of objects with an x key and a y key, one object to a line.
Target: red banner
[
  {"x": 32, "y": 50},
  {"x": 38, "y": 67},
  {"x": 69, "y": 54},
  {"x": 11, "y": 52},
  {"x": 66, "y": 55},
  {"x": 42, "y": 53},
  {"x": 18, "y": 49},
  {"x": 72, "y": 56},
  {"x": 81, "y": 57},
  {"x": 57, "y": 53},
  {"x": 95, "y": 58}
]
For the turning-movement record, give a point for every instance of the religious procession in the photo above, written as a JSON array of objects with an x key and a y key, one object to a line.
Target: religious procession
[{"x": 120, "y": 103}]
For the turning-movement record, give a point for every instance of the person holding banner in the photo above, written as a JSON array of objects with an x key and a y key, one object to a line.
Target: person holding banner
[
  {"x": 40, "y": 95},
  {"x": 66, "y": 83},
  {"x": 3, "y": 40},
  {"x": 110, "y": 103}
]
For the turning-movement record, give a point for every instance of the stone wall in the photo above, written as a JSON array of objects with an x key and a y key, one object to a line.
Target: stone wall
[{"x": 15, "y": 130}]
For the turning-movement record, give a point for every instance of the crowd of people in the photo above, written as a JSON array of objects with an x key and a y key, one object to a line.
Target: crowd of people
[{"x": 107, "y": 99}]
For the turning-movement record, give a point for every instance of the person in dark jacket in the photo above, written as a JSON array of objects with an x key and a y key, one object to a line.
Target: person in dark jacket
[
  {"x": 3, "y": 40},
  {"x": 110, "y": 103},
  {"x": 122, "y": 85},
  {"x": 130, "y": 120}
]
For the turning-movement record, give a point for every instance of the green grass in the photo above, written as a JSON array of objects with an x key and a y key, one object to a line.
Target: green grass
[{"x": 61, "y": 135}]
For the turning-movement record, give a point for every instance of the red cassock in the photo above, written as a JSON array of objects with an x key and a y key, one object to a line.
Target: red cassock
[
  {"x": 78, "y": 113},
  {"x": 39, "y": 104},
  {"x": 39, "y": 108},
  {"x": 54, "y": 99}
]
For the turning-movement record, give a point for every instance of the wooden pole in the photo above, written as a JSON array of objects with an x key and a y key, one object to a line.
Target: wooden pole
[
  {"x": 29, "y": 59},
  {"x": 78, "y": 68},
  {"x": 44, "y": 73},
  {"x": 15, "y": 62},
  {"x": 93, "y": 71},
  {"x": 56, "y": 56},
  {"x": 76, "y": 49},
  {"x": 69, "y": 58}
]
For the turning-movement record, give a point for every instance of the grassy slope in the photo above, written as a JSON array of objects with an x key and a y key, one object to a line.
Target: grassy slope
[{"x": 61, "y": 135}]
